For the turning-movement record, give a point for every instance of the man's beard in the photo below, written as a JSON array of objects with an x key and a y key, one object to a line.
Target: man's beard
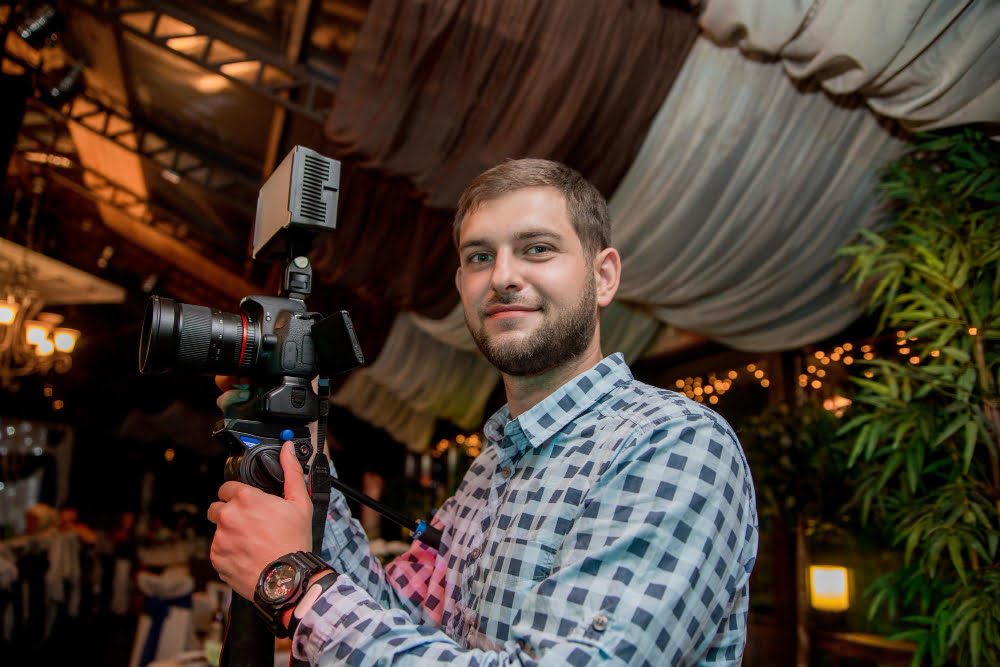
[{"x": 554, "y": 343}]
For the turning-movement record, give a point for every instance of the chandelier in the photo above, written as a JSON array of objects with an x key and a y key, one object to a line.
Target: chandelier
[{"x": 31, "y": 341}]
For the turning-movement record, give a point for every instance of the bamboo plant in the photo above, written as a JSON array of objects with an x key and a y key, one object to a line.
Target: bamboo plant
[{"x": 925, "y": 423}]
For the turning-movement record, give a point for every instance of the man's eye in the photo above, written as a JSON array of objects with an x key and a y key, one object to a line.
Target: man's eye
[
  {"x": 479, "y": 257},
  {"x": 538, "y": 249}
]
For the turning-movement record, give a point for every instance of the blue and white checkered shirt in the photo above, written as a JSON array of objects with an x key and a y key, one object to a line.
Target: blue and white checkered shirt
[{"x": 612, "y": 522}]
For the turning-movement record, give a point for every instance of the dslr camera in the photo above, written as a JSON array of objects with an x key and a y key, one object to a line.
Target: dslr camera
[{"x": 273, "y": 340}]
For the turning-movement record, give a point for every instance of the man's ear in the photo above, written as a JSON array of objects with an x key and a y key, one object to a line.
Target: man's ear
[
  {"x": 607, "y": 274},
  {"x": 458, "y": 280}
]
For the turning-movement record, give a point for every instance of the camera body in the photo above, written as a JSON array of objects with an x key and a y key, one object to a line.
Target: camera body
[{"x": 286, "y": 342}]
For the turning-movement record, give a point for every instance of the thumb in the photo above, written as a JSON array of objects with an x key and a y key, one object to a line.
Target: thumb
[{"x": 295, "y": 485}]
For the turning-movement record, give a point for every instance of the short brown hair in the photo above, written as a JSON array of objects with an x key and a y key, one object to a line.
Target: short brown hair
[{"x": 586, "y": 207}]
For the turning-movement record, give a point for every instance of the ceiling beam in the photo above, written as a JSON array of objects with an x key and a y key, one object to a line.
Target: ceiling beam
[
  {"x": 176, "y": 252},
  {"x": 222, "y": 51}
]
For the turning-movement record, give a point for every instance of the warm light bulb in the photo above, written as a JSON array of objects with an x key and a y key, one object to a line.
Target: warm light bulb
[
  {"x": 65, "y": 339},
  {"x": 45, "y": 348},
  {"x": 8, "y": 311},
  {"x": 35, "y": 332}
]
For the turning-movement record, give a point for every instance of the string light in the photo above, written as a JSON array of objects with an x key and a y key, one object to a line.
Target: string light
[{"x": 973, "y": 331}]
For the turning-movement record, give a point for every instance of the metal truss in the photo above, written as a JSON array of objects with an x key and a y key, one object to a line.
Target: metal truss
[
  {"x": 220, "y": 50},
  {"x": 50, "y": 145},
  {"x": 178, "y": 163}
]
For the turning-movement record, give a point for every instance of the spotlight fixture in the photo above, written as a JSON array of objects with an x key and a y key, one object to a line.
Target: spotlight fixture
[
  {"x": 62, "y": 85},
  {"x": 40, "y": 25}
]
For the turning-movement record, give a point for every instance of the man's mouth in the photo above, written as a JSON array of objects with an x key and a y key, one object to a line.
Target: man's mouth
[{"x": 501, "y": 311}]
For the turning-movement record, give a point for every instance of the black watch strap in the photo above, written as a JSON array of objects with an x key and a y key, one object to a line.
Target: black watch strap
[{"x": 324, "y": 583}]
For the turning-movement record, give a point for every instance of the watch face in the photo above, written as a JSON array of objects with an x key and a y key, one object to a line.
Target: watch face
[{"x": 279, "y": 583}]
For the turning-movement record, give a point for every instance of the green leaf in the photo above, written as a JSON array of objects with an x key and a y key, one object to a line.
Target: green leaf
[
  {"x": 955, "y": 551},
  {"x": 950, "y": 430},
  {"x": 971, "y": 433},
  {"x": 955, "y": 353},
  {"x": 975, "y": 646},
  {"x": 872, "y": 386}
]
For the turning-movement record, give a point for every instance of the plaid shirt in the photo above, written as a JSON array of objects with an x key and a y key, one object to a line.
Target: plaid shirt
[{"x": 612, "y": 522}]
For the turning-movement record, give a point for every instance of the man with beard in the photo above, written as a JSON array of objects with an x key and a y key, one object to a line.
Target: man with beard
[{"x": 606, "y": 520}]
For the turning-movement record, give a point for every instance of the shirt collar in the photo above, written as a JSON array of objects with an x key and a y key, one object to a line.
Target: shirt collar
[{"x": 560, "y": 407}]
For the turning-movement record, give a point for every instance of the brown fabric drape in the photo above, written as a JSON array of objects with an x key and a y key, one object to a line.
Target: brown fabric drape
[
  {"x": 388, "y": 248},
  {"x": 437, "y": 91}
]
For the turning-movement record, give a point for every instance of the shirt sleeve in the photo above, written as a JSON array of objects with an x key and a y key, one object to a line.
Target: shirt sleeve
[
  {"x": 347, "y": 549},
  {"x": 653, "y": 571}
]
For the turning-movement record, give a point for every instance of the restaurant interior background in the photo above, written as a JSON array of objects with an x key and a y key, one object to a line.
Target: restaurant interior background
[{"x": 741, "y": 145}]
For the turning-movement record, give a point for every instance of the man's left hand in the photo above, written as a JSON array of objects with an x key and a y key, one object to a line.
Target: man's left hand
[{"x": 254, "y": 528}]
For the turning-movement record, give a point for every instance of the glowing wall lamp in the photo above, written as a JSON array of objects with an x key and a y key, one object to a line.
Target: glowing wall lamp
[
  {"x": 829, "y": 587},
  {"x": 8, "y": 312}
]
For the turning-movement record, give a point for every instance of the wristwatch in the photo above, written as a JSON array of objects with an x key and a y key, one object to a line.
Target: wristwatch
[{"x": 281, "y": 584}]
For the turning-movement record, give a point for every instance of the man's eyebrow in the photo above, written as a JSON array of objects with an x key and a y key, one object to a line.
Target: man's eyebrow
[
  {"x": 536, "y": 234},
  {"x": 520, "y": 236},
  {"x": 473, "y": 243}
]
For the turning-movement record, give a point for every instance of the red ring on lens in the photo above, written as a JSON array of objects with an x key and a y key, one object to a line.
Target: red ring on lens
[{"x": 243, "y": 349}]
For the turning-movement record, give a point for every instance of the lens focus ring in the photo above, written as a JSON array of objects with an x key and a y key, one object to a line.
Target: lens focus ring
[{"x": 196, "y": 336}]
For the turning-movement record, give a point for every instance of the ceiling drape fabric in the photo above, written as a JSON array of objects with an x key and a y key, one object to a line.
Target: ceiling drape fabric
[
  {"x": 437, "y": 91},
  {"x": 743, "y": 190},
  {"x": 928, "y": 63},
  {"x": 389, "y": 249}
]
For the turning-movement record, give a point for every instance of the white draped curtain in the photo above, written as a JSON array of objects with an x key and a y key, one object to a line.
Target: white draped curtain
[
  {"x": 745, "y": 187},
  {"x": 927, "y": 63}
]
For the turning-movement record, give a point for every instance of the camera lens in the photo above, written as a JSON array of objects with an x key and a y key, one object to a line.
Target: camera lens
[{"x": 185, "y": 337}]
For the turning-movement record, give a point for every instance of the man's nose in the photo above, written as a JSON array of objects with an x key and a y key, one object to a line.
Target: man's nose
[{"x": 506, "y": 273}]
